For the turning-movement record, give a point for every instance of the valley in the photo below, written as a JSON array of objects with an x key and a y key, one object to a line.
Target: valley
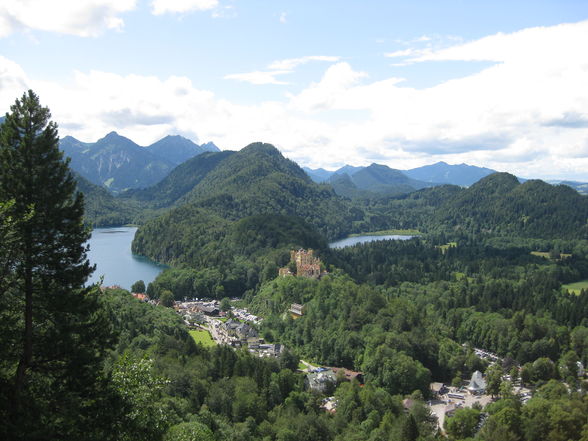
[{"x": 230, "y": 220}]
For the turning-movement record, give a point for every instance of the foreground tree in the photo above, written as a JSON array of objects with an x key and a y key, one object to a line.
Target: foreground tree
[{"x": 53, "y": 335}]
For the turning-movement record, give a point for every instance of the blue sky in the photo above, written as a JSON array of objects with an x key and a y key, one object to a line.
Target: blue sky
[{"x": 491, "y": 83}]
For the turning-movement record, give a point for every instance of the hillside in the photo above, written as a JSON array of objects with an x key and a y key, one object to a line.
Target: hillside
[
  {"x": 259, "y": 180},
  {"x": 580, "y": 187},
  {"x": 101, "y": 208},
  {"x": 499, "y": 204},
  {"x": 373, "y": 181},
  {"x": 382, "y": 179},
  {"x": 179, "y": 182}
]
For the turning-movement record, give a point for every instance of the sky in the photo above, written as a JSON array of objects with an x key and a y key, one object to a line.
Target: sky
[{"x": 499, "y": 84}]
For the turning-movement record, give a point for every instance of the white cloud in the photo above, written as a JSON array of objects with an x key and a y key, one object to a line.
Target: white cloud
[
  {"x": 329, "y": 93},
  {"x": 82, "y": 18},
  {"x": 179, "y": 6},
  {"x": 400, "y": 53},
  {"x": 276, "y": 68},
  {"x": 292, "y": 63},
  {"x": 283, "y": 17},
  {"x": 527, "y": 114},
  {"x": 259, "y": 77},
  {"x": 13, "y": 83}
]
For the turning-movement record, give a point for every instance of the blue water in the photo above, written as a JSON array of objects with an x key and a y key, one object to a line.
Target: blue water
[
  {"x": 350, "y": 241},
  {"x": 110, "y": 250}
]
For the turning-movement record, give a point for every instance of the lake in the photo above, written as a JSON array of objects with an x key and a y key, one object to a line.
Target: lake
[
  {"x": 354, "y": 240},
  {"x": 110, "y": 250}
]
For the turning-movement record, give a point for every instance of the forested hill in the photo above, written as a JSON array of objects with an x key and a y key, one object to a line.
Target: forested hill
[
  {"x": 180, "y": 181},
  {"x": 374, "y": 181},
  {"x": 242, "y": 218},
  {"x": 101, "y": 208},
  {"x": 499, "y": 204},
  {"x": 259, "y": 180}
]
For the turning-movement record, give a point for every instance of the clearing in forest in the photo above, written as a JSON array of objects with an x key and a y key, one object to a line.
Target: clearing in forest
[
  {"x": 202, "y": 337},
  {"x": 576, "y": 287}
]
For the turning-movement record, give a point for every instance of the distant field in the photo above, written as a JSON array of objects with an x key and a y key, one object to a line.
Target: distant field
[
  {"x": 448, "y": 245},
  {"x": 202, "y": 337},
  {"x": 461, "y": 276},
  {"x": 388, "y": 233},
  {"x": 547, "y": 256},
  {"x": 576, "y": 287}
]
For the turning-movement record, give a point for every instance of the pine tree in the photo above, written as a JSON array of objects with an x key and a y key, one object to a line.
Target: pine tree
[
  {"x": 54, "y": 336},
  {"x": 410, "y": 430}
]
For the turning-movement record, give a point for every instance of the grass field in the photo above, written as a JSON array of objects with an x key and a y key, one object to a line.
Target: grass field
[
  {"x": 576, "y": 287},
  {"x": 448, "y": 245},
  {"x": 546, "y": 255},
  {"x": 202, "y": 337},
  {"x": 389, "y": 233}
]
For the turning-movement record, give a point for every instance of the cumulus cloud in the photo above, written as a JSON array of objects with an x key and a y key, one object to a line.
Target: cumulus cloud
[
  {"x": 159, "y": 7},
  {"x": 328, "y": 93},
  {"x": 525, "y": 114},
  {"x": 82, "y": 18}
]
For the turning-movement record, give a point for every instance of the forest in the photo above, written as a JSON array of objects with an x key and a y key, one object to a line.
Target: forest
[{"x": 91, "y": 363}]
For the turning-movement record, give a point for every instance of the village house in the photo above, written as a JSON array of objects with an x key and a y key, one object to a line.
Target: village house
[
  {"x": 273, "y": 350},
  {"x": 329, "y": 404},
  {"x": 210, "y": 310},
  {"x": 239, "y": 330},
  {"x": 438, "y": 389},
  {"x": 297, "y": 310},
  {"x": 320, "y": 381}
]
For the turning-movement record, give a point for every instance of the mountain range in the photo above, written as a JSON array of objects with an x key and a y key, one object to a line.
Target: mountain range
[
  {"x": 118, "y": 163},
  {"x": 365, "y": 182},
  {"x": 375, "y": 176}
]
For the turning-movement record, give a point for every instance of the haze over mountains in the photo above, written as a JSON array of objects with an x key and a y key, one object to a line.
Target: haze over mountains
[{"x": 438, "y": 173}]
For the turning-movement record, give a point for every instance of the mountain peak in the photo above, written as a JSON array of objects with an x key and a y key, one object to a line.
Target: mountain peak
[
  {"x": 261, "y": 147},
  {"x": 114, "y": 137}
]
